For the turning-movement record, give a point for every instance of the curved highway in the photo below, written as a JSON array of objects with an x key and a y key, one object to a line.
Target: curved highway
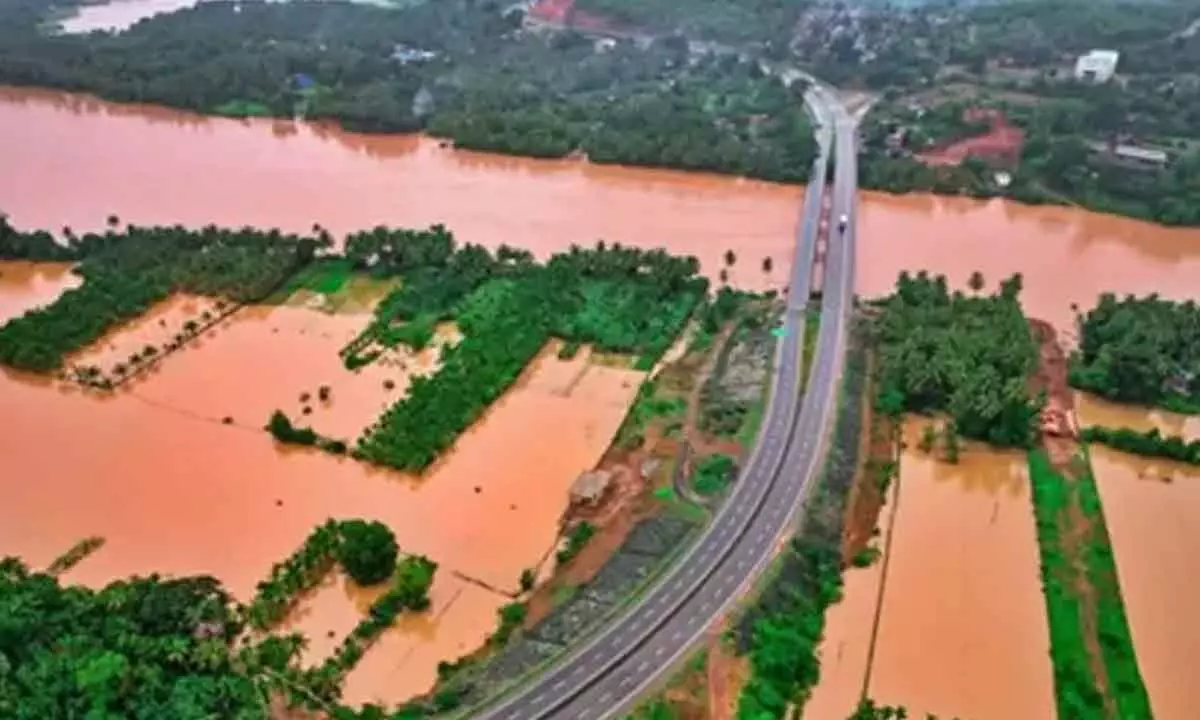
[{"x": 607, "y": 674}]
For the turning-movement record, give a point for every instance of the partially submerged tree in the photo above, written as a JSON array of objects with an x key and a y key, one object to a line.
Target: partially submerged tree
[{"x": 367, "y": 551}]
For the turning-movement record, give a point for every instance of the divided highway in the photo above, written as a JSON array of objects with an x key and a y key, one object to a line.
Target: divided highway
[{"x": 607, "y": 674}]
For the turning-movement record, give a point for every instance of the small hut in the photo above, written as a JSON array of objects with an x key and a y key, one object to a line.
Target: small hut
[{"x": 589, "y": 488}]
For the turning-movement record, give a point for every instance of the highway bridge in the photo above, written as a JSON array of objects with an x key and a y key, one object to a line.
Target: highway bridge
[{"x": 605, "y": 677}]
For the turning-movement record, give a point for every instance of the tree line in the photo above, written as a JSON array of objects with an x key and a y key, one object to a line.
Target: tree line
[
  {"x": 967, "y": 356},
  {"x": 126, "y": 271},
  {"x": 1151, "y": 443},
  {"x": 1144, "y": 351},
  {"x": 619, "y": 299}
]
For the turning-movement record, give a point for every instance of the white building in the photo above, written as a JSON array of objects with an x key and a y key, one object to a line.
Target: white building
[{"x": 1098, "y": 66}]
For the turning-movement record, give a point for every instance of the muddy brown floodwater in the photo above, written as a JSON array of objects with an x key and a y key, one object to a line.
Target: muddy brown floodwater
[
  {"x": 155, "y": 471},
  {"x": 1152, "y": 509},
  {"x": 1065, "y": 255},
  {"x": 25, "y": 285},
  {"x": 962, "y": 626},
  {"x": 278, "y": 173}
]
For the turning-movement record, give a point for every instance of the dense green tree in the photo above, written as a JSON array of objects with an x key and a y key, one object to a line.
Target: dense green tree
[
  {"x": 414, "y": 577},
  {"x": 138, "y": 648},
  {"x": 616, "y": 298},
  {"x": 1151, "y": 443},
  {"x": 1140, "y": 350},
  {"x": 367, "y": 551},
  {"x": 968, "y": 356}
]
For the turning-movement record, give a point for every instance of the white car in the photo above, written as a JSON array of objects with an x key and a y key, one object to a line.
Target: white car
[{"x": 842, "y": 222}]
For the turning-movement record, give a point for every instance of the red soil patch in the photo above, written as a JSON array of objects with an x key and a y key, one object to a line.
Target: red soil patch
[
  {"x": 879, "y": 444},
  {"x": 1056, "y": 426},
  {"x": 727, "y": 673},
  {"x": 1001, "y": 144},
  {"x": 564, "y": 13},
  {"x": 553, "y": 11}
]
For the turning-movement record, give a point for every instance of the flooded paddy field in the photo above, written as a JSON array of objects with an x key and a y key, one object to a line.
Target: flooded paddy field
[
  {"x": 154, "y": 471},
  {"x": 166, "y": 323},
  {"x": 1152, "y": 509},
  {"x": 266, "y": 358},
  {"x": 846, "y": 646},
  {"x": 1092, "y": 410},
  {"x": 25, "y": 286},
  {"x": 961, "y": 628}
]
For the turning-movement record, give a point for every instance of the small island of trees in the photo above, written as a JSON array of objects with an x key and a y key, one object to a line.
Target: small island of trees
[
  {"x": 1143, "y": 351},
  {"x": 967, "y": 356}
]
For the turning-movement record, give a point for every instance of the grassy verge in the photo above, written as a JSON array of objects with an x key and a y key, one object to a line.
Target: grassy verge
[
  {"x": 1151, "y": 443},
  {"x": 812, "y": 327},
  {"x": 782, "y": 631},
  {"x": 325, "y": 276},
  {"x": 1079, "y": 579}
]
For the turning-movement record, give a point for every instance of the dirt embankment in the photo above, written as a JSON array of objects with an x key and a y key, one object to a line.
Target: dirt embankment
[
  {"x": 1059, "y": 436},
  {"x": 636, "y": 472},
  {"x": 879, "y": 447}
]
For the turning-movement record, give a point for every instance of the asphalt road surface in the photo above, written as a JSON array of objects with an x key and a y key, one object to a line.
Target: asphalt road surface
[{"x": 608, "y": 673}]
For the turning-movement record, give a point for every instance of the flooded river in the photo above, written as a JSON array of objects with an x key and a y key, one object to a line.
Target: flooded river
[
  {"x": 278, "y": 173},
  {"x": 275, "y": 173},
  {"x": 1066, "y": 256},
  {"x": 1152, "y": 508}
]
